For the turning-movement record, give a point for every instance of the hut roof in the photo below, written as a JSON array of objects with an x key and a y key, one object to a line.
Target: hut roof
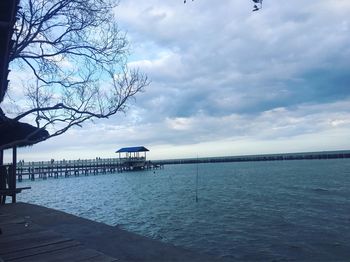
[
  {"x": 12, "y": 130},
  {"x": 132, "y": 149}
]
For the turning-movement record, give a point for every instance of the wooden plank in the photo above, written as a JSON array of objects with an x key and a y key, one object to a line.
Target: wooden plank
[
  {"x": 33, "y": 243},
  {"x": 11, "y": 229},
  {"x": 19, "y": 243},
  {"x": 28, "y": 240},
  {"x": 12, "y": 220},
  {"x": 78, "y": 253},
  {"x": 5, "y": 215},
  {"x": 40, "y": 250},
  {"x": 101, "y": 258},
  {"x": 44, "y": 233}
]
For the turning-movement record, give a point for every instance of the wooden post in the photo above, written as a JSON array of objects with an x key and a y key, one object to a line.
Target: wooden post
[
  {"x": 2, "y": 177},
  {"x": 12, "y": 184},
  {"x": 1, "y": 157}
]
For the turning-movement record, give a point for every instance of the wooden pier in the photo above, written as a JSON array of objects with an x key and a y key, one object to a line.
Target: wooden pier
[
  {"x": 34, "y": 233},
  {"x": 19, "y": 170},
  {"x": 22, "y": 240},
  {"x": 67, "y": 168}
]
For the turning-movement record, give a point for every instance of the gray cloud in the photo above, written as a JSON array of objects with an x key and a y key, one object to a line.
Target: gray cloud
[
  {"x": 225, "y": 63},
  {"x": 222, "y": 73}
]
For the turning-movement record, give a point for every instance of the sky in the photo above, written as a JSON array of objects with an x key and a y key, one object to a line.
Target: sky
[{"x": 226, "y": 81}]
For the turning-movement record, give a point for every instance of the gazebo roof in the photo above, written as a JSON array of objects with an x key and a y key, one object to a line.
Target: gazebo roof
[{"x": 132, "y": 149}]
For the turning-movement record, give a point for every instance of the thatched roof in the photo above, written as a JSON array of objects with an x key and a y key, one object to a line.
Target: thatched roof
[{"x": 12, "y": 130}]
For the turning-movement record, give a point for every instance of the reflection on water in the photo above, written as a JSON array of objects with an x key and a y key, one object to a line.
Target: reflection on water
[{"x": 296, "y": 210}]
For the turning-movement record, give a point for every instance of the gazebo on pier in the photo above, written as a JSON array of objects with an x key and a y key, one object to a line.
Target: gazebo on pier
[{"x": 133, "y": 158}]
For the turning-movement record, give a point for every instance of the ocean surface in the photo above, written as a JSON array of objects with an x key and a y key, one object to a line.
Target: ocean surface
[{"x": 278, "y": 210}]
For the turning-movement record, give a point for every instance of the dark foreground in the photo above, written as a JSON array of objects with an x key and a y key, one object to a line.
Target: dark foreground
[{"x": 36, "y": 233}]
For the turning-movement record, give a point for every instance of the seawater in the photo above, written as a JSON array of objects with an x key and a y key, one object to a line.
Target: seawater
[{"x": 278, "y": 210}]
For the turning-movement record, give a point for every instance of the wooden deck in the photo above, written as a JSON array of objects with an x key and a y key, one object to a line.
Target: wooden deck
[
  {"x": 35, "y": 233},
  {"x": 22, "y": 240}
]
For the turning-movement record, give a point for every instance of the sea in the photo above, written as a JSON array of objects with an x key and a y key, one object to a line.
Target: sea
[{"x": 248, "y": 211}]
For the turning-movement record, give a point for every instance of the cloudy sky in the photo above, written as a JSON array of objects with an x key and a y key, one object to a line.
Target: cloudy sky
[{"x": 227, "y": 81}]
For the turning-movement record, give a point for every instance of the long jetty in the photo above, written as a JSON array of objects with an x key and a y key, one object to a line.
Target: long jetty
[
  {"x": 67, "y": 168},
  {"x": 262, "y": 157}
]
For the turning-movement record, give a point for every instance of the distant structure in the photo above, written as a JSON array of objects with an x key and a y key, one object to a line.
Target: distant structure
[{"x": 131, "y": 158}]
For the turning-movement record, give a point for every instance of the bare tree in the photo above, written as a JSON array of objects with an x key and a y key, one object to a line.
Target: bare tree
[{"x": 78, "y": 59}]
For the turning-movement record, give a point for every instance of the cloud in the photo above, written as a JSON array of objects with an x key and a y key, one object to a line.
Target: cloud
[
  {"x": 277, "y": 130},
  {"x": 225, "y": 79},
  {"x": 222, "y": 62}
]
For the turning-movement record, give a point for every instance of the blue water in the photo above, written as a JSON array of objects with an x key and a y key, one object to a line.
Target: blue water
[{"x": 281, "y": 210}]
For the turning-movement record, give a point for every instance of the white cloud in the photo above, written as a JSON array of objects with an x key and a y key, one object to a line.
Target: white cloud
[{"x": 306, "y": 128}]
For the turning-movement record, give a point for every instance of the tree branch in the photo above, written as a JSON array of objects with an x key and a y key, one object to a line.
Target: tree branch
[{"x": 77, "y": 58}]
